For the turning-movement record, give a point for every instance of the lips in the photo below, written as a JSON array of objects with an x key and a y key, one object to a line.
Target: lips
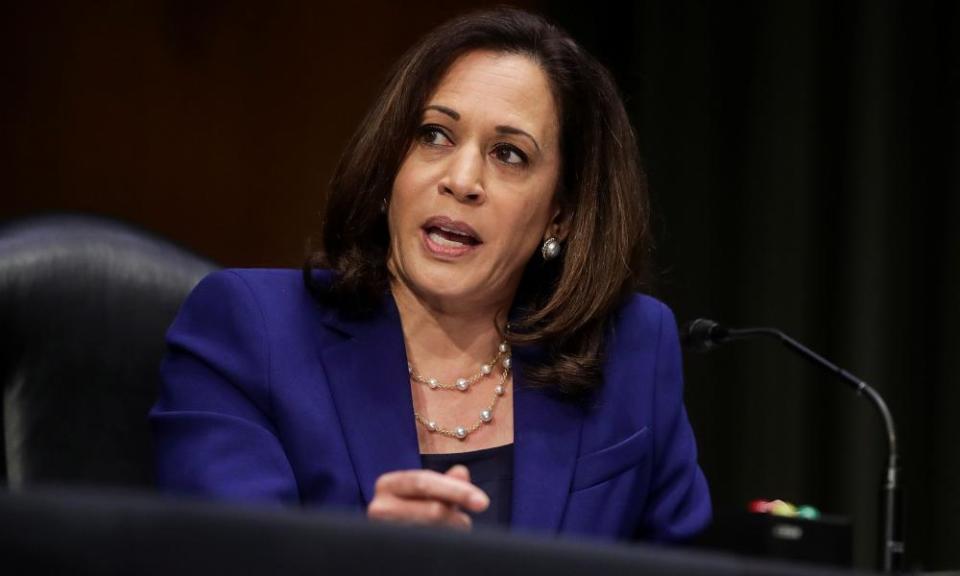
[{"x": 447, "y": 237}]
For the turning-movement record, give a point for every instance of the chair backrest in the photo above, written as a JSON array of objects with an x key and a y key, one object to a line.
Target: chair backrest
[{"x": 84, "y": 306}]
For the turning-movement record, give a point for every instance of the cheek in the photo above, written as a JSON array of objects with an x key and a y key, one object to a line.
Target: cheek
[
  {"x": 403, "y": 195},
  {"x": 524, "y": 222},
  {"x": 402, "y": 184},
  {"x": 534, "y": 211}
]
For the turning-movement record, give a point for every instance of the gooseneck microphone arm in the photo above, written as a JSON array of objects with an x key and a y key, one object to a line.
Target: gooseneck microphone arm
[{"x": 703, "y": 335}]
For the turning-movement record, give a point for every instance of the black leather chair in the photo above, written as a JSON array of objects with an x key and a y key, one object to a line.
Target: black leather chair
[{"x": 84, "y": 305}]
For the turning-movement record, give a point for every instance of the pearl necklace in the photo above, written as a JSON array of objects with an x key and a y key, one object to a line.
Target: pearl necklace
[{"x": 462, "y": 385}]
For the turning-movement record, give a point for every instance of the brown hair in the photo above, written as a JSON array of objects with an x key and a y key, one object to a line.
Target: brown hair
[{"x": 564, "y": 306}]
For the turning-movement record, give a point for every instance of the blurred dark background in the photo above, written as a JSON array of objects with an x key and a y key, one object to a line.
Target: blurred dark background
[{"x": 803, "y": 160}]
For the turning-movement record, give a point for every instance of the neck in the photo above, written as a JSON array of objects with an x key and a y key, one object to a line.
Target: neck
[{"x": 444, "y": 341}]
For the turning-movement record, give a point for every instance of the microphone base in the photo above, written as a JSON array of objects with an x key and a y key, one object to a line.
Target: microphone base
[{"x": 827, "y": 540}]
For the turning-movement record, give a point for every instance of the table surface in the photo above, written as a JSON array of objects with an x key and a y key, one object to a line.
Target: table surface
[{"x": 115, "y": 532}]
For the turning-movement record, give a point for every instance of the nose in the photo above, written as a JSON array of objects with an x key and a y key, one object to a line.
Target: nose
[{"x": 464, "y": 176}]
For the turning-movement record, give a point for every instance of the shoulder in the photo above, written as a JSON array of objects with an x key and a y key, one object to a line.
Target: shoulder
[
  {"x": 639, "y": 374},
  {"x": 258, "y": 282},
  {"x": 642, "y": 322},
  {"x": 642, "y": 352},
  {"x": 245, "y": 321},
  {"x": 269, "y": 301},
  {"x": 260, "y": 287}
]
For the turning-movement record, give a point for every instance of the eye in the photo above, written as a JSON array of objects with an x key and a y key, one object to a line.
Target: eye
[
  {"x": 509, "y": 154},
  {"x": 433, "y": 135}
]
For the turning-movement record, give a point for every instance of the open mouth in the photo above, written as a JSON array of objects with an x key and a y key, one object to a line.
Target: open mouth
[
  {"x": 449, "y": 237},
  {"x": 445, "y": 237}
]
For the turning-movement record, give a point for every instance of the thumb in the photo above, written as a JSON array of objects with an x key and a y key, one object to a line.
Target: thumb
[
  {"x": 479, "y": 501},
  {"x": 460, "y": 472}
]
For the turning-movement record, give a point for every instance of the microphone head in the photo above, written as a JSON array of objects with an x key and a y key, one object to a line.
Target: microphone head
[{"x": 702, "y": 335}]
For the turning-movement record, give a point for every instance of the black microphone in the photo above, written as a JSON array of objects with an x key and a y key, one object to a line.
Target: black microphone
[{"x": 703, "y": 335}]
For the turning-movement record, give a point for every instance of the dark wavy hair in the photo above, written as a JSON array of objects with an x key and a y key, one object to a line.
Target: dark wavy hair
[{"x": 564, "y": 306}]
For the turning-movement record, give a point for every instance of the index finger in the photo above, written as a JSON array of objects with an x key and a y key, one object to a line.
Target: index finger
[{"x": 427, "y": 484}]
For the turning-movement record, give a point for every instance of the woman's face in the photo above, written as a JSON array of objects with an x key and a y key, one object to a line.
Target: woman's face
[{"x": 474, "y": 197}]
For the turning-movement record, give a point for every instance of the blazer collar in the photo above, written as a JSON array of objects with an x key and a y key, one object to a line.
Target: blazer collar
[{"x": 367, "y": 374}]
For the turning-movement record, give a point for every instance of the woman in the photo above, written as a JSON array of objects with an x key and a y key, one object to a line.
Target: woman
[{"x": 468, "y": 345}]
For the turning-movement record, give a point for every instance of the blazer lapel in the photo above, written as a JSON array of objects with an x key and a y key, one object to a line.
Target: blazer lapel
[
  {"x": 367, "y": 375},
  {"x": 546, "y": 436}
]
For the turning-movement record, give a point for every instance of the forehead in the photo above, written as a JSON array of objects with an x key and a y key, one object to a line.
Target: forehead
[{"x": 502, "y": 88}]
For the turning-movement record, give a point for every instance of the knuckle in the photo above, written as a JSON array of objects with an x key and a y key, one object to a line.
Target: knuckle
[
  {"x": 377, "y": 509},
  {"x": 465, "y": 521},
  {"x": 388, "y": 482},
  {"x": 421, "y": 483},
  {"x": 436, "y": 511},
  {"x": 382, "y": 483},
  {"x": 380, "y": 507}
]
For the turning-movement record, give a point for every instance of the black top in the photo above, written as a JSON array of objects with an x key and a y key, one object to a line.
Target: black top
[{"x": 491, "y": 470}]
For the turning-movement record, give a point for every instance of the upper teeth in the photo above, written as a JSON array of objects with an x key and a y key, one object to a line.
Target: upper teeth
[
  {"x": 452, "y": 231},
  {"x": 444, "y": 241}
]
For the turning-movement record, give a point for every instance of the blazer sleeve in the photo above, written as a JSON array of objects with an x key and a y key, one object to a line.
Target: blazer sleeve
[
  {"x": 212, "y": 428},
  {"x": 678, "y": 505}
]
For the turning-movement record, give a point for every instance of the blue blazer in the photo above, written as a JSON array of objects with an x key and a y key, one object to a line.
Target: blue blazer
[{"x": 268, "y": 396}]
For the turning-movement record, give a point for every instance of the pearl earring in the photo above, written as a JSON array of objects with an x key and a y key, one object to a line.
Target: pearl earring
[{"x": 550, "y": 248}]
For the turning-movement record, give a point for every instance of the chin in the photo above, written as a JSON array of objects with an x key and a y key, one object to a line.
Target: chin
[
  {"x": 445, "y": 283},
  {"x": 449, "y": 282}
]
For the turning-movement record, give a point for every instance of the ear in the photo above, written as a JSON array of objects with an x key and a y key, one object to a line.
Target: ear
[{"x": 559, "y": 226}]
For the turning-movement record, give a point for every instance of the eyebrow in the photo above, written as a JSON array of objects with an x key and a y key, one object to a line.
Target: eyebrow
[
  {"x": 518, "y": 132},
  {"x": 448, "y": 111},
  {"x": 500, "y": 129}
]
